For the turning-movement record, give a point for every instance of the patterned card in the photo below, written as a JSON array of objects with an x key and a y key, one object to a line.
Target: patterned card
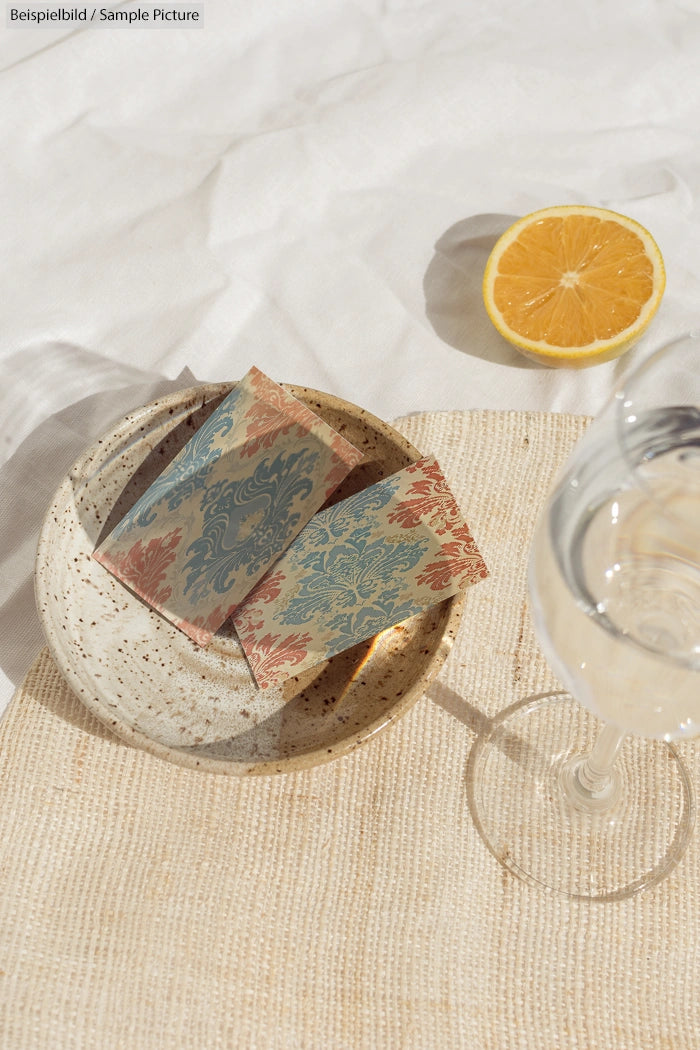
[
  {"x": 359, "y": 567},
  {"x": 227, "y": 506}
]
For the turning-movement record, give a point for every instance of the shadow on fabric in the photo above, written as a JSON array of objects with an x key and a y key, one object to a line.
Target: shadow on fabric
[
  {"x": 452, "y": 288},
  {"x": 28, "y": 481}
]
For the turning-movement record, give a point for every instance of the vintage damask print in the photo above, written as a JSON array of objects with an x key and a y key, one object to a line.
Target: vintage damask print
[
  {"x": 428, "y": 501},
  {"x": 359, "y": 567},
  {"x": 457, "y": 558},
  {"x": 273, "y": 415},
  {"x": 243, "y": 519},
  {"x": 144, "y": 566},
  {"x": 187, "y": 473},
  {"x": 278, "y": 655},
  {"x": 227, "y": 506}
]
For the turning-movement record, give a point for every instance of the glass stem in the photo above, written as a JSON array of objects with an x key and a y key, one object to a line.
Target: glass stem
[
  {"x": 596, "y": 770},
  {"x": 589, "y": 780}
]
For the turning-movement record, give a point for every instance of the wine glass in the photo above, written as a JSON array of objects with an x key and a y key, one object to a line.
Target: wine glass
[{"x": 585, "y": 793}]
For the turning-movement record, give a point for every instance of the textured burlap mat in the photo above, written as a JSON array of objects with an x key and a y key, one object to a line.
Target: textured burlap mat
[{"x": 143, "y": 905}]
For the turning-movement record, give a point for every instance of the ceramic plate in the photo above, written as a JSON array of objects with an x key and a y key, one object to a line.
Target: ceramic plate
[{"x": 156, "y": 688}]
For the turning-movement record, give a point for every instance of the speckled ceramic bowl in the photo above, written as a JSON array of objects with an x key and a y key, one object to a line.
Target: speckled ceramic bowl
[{"x": 156, "y": 688}]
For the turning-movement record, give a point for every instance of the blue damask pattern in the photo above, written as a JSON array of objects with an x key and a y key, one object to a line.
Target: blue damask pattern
[
  {"x": 188, "y": 471},
  {"x": 359, "y": 568},
  {"x": 359, "y": 508},
  {"x": 359, "y": 578},
  {"x": 247, "y": 519},
  {"x": 346, "y": 628}
]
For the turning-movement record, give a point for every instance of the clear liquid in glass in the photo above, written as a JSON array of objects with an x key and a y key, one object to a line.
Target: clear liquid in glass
[{"x": 615, "y": 576}]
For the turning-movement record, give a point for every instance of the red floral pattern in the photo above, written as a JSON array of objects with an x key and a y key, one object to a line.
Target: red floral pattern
[
  {"x": 202, "y": 628},
  {"x": 265, "y": 426},
  {"x": 431, "y": 502},
  {"x": 458, "y": 561},
  {"x": 267, "y": 589},
  {"x": 283, "y": 402},
  {"x": 272, "y": 416},
  {"x": 271, "y": 656},
  {"x": 143, "y": 568}
]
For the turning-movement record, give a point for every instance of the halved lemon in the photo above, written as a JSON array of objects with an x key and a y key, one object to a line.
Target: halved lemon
[{"x": 573, "y": 285}]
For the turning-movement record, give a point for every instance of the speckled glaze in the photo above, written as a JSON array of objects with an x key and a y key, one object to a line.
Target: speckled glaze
[{"x": 159, "y": 690}]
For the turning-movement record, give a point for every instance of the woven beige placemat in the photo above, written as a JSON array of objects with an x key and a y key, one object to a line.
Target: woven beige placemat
[{"x": 143, "y": 905}]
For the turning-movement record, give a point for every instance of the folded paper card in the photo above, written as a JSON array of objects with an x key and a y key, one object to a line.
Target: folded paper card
[
  {"x": 227, "y": 506},
  {"x": 359, "y": 567}
]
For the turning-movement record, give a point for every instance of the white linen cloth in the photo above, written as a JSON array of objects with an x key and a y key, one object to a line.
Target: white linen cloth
[{"x": 311, "y": 187}]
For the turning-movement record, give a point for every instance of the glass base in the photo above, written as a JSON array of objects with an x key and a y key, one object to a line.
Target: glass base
[{"x": 630, "y": 840}]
